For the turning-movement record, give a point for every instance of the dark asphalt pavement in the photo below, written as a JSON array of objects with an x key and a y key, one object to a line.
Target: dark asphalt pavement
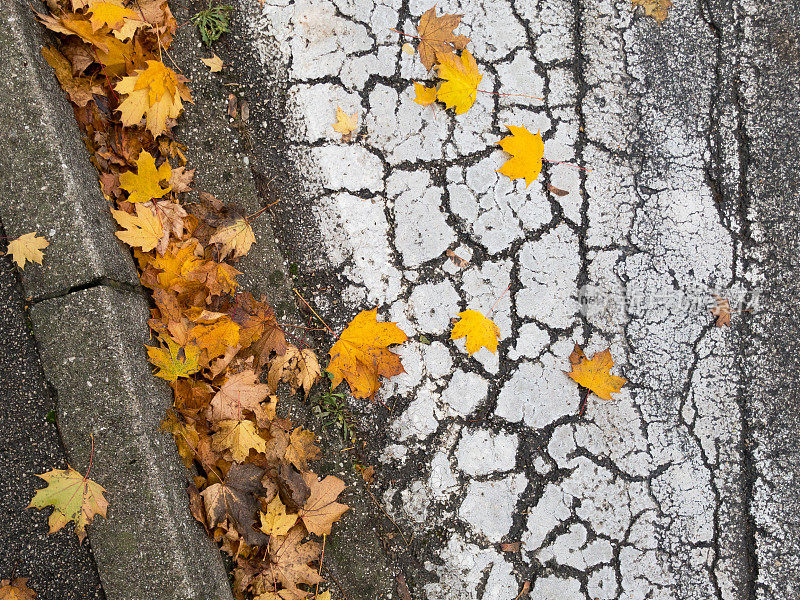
[{"x": 58, "y": 567}]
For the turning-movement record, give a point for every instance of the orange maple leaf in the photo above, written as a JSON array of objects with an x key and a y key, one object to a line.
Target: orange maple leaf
[
  {"x": 436, "y": 37},
  {"x": 361, "y": 354},
  {"x": 595, "y": 373}
]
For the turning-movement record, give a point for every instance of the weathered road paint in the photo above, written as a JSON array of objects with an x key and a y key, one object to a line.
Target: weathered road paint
[{"x": 659, "y": 494}]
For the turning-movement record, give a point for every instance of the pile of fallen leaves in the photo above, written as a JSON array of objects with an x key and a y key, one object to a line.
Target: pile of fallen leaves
[{"x": 253, "y": 489}]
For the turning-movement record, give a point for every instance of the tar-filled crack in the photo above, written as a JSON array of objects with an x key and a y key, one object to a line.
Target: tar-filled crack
[{"x": 122, "y": 286}]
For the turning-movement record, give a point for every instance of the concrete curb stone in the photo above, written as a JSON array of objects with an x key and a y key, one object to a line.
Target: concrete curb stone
[
  {"x": 92, "y": 347},
  {"x": 47, "y": 183},
  {"x": 89, "y": 319}
]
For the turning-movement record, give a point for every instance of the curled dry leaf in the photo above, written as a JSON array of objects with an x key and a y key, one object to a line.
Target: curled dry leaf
[
  {"x": 74, "y": 498},
  {"x": 461, "y": 263},
  {"x": 299, "y": 368},
  {"x": 595, "y": 373},
  {"x": 480, "y": 331},
  {"x": 27, "y": 247},
  {"x": 722, "y": 311}
]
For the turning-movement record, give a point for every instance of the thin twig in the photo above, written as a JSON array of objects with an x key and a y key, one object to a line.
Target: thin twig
[
  {"x": 332, "y": 332},
  {"x": 321, "y": 558},
  {"x": 378, "y": 504}
]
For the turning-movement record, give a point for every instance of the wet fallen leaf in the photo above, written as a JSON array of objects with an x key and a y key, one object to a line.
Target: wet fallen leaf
[
  {"x": 461, "y": 263},
  {"x": 16, "y": 589},
  {"x": 240, "y": 392},
  {"x": 299, "y": 368},
  {"x": 301, "y": 448},
  {"x": 722, "y": 311},
  {"x": 235, "y": 500},
  {"x": 80, "y": 90},
  {"x": 275, "y": 521},
  {"x": 595, "y": 373},
  {"x": 402, "y": 587},
  {"x": 424, "y": 95},
  {"x": 368, "y": 474},
  {"x": 321, "y": 510},
  {"x": 436, "y": 37},
  {"x": 156, "y": 92},
  {"x": 480, "y": 331},
  {"x": 181, "y": 180},
  {"x": 289, "y": 559},
  {"x": 236, "y": 237},
  {"x": 214, "y": 63},
  {"x": 27, "y": 247},
  {"x": 461, "y": 78},
  {"x": 74, "y": 498},
  {"x": 111, "y": 13},
  {"x": 145, "y": 184},
  {"x": 526, "y": 150},
  {"x": 174, "y": 361},
  {"x": 142, "y": 230},
  {"x": 408, "y": 49},
  {"x": 345, "y": 124},
  {"x": 361, "y": 354},
  {"x": 658, "y": 9}
]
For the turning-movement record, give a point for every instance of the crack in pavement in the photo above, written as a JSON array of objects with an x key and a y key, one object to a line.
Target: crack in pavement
[{"x": 647, "y": 496}]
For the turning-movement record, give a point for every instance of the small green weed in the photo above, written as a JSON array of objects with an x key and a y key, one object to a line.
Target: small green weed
[
  {"x": 212, "y": 22},
  {"x": 330, "y": 407}
]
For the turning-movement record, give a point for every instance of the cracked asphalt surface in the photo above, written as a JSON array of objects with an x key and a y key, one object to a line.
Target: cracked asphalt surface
[{"x": 684, "y": 487}]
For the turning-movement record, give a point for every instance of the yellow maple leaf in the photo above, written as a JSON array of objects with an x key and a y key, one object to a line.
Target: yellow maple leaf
[
  {"x": 480, "y": 331},
  {"x": 174, "y": 361},
  {"x": 145, "y": 184},
  {"x": 142, "y": 230},
  {"x": 345, "y": 124},
  {"x": 275, "y": 521},
  {"x": 658, "y": 9},
  {"x": 26, "y": 247},
  {"x": 109, "y": 12},
  {"x": 236, "y": 237},
  {"x": 595, "y": 373},
  {"x": 73, "y": 498},
  {"x": 156, "y": 91},
  {"x": 526, "y": 150},
  {"x": 214, "y": 63},
  {"x": 461, "y": 79},
  {"x": 361, "y": 354},
  {"x": 239, "y": 437},
  {"x": 215, "y": 337},
  {"x": 424, "y": 95}
]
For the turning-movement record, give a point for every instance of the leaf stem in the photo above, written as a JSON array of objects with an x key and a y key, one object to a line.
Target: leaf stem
[
  {"x": 91, "y": 458},
  {"x": 510, "y": 94},
  {"x": 332, "y": 332},
  {"x": 557, "y": 162},
  {"x": 496, "y": 302},
  {"x": 406, "y": 34},
  {"x": 258, "y": 213}
]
